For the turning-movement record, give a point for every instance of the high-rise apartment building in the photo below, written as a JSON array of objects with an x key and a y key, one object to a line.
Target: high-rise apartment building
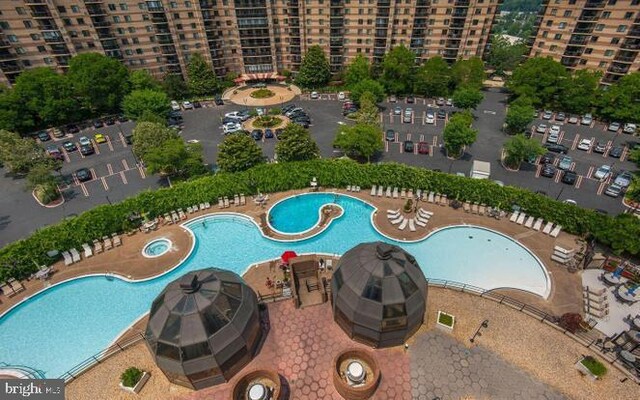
[
  {"x": 602, "y": 35},
  {"x": 243, "y": 36}
]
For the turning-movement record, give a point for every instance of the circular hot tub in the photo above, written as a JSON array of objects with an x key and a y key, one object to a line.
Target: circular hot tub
[{"x": 156, "y": 248}]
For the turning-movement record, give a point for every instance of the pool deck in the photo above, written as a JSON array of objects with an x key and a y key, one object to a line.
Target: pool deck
[{"x": 127, "y": 260}]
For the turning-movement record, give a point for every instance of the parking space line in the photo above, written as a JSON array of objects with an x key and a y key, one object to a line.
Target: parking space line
[
  {"x": 593, "y": 143},
  {"x": 104, "y": 183},
  {"x": 593, "y": 123},
  {"x": 544, "y": 137},
  {"x": 538, "y": 169},
  {"x": 601, "y": 188},
  {"x": 424, "y": 117},
  {"x": 422, "y": 137},
  {"x": 413, "y": 115},
  {"x": 75, "y": 180},
  {"x": 65, "y": 154},
  {"x": 408, "y": 136},
  {"x": 401, "y": 148},
  {"x": 590, "y": 173},
  {"x": 556, "y": 161},
  {"x": 556, "y": 179},
  {"x": 560, "y": 137},
  {"x": 84, "y": 190},
  {"x": 142, "y": 174},
  {"x": 93, "y": 173},
  {"x": 607, "y": 148},
  {"x": 81, "y": 155},
  {"x": 109, "y": 142},
  {"x": 435, "y": 141},
  {"x": 110, "y": 169},
  {"x": 575, "y": 142},
  {"x": 125, "y": 164},
  {"x": 572, "y": 167},
  {"x": 95, "y": 146},
  {"x": 578, "y": 182},
  {"x": 625, "y": 152},
  {"x": 124, "y": 142},
  {"x": 124, "y": 178},
  {"x": 386, "y": 146},
  {"x": 381, "y": 118}
]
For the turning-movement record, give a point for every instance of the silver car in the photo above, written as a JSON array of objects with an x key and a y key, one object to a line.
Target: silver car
[
  {"x": 587, "y": 119},
  {"x": 613, "y": 127},
  {"x": 613, "y": 190},
  {"x": 542, "y": 128},
  {"x": 623, "y": 179}
]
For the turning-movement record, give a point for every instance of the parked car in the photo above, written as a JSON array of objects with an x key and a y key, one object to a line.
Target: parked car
[
  {"x": 423, "y": 148},
  {"x": 393, "y": 98},
  {"x": 315, "y": 95},
  {"x": 239, "y": 115},
  {"x": 570, "y": 201},
  {"x": 623, "y": 179},
  {"x": 225, "y": 120},
  {"x": 397, "y": 110},
  {"x": 268, "y": 133},
  {"x": 109, "y": 121},
  {"x": 128, "y": 138},
  {"x": 573, "y": 119},
  {"x": 218, "y": 100},
  {"x": 565, "y": 163},
  {"x": 292, "y": 111},
  {"x": 122, "y": 118},
  {"x": 587, "y": 119},
  {"x": 411, "y": 100},
  {"x": 390, "y": 135},
  {"x": 84, "y": 141},
  {"x": 408, "y": 146},
  {"x": 256, "y": 134},
  {"x": 175, "y": 115},
  {"x": 600, "y": 148},
  {"x": 430, "y": 119},
  {"x": 86, "y": 149},
  {"x": 560, "y": 116},
  {"x": 54, "y": 152},
  {"x": 629, "y": 128},
  {"x": 548, "y": 158},
  {"x": 97, "y": 124},
  {"x": 449, "y": 102},
  {"x": 197, "y": 104},
  {"x": 440, "y": 101},
  {"x": 341, "y": 96},
  {"x": 585, "y": 144},
  {"x": 603, "y": 172},
  {"x": 548, "y": 170},
  {"x": 547, "y": 115},
  {"x": 302, "y": 124},
  {"x": 175, "y": 106},
  {"x": 556, "y": 148},
  {"x": 555, "y": 129},
  {"x": 553, "y": 138},
  {"x": 613, "y": 190},
  {"x": 83, "y": 174},
  {"x": 288, "y": 108},
  {"x": 442, "y": 114},
  {"x": 231, "y": 127},
  {"x": 69, "y": 146},
  {"x": 43, "y": 136},
  {"x": 99, "y": 138},
  {"x": 72, "y": 128},
  {"x": 613, "y": 127},
  {"x": 350, "y": 110},
  {"x": 569, "y": 177},
  {"x": 542, "y": 128},
  {"x": 278, "y": 133},
  {"x": 616, "y": 152}
]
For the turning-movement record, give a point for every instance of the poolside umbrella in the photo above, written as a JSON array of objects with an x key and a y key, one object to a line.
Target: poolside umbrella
[
  {"x": 288, "y": 255},
  {"x": 618, "y": 272},
  {"x": 632, "y": 290}
]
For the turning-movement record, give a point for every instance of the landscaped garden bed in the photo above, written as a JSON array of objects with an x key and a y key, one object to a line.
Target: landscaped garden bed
[
  {"x": 262, "y": 94},
  {"x": 445, "y": 321},
  {"x": 591, "y": 367},
  {"x": 133, "y": 380}
]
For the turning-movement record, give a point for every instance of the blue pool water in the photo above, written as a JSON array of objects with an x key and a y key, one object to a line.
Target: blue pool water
[
  {"x": 299, "y": 213},
  {"x": 157, "y": 247},
  {"x": 64, "y": 325}
]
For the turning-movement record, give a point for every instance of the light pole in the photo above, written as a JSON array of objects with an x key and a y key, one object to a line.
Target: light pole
[{"x": 484, "y": 324}]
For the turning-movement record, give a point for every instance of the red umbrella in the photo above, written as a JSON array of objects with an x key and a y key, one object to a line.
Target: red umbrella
[{"x": 288, "y": 255}]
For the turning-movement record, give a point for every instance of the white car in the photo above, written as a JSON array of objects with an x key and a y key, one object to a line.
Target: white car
[
  {"x": 315, "y": 95},
  {"x": 231, "y": 127},
  {"x": 542, "y": 128},
  {"x": 341, "y": 96},
  {"x": 430, "y": 119},
  {"x": 603, "y": 172},
  {"x": 239, "y": 115},
  {"x": 586, "y": 119},
  {"x": 553, "y": 137},
  {"x": 449, "y": 102},
  {"x": 261, "y": 111},
  {"x": 187, "y": 105},
  {"x": 84, "y": 141},
  {"x": 175, "y": 106},
  {"x": 555, "y": 129},
  {"x": 629, "y": 128},
  {"x": 585, "y": 144}
]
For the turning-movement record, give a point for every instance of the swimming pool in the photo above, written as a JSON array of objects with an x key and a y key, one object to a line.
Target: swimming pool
[
  {"x": 299, "y": 214},
  {"x": 67, "y": 323},
  {"x": 156, "y": 248}
]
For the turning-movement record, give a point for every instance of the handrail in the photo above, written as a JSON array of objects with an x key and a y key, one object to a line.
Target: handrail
[{"x": 28, "y": 371}]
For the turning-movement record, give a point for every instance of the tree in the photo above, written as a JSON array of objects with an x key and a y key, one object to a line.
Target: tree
[
  {"x": 519, "y": 149},
  {"x": 296, "y": 144},
  {"x": 459, "y": 133},
  {"x": 433, "y": 78},
  {"x": 147, "y": 135},
  {"x": 467, "y": 98},
  {"x": 540, "y": 79},
  {"x": 358, "y": 70},
  {"x": 468, "y": 73},
  {"x": 367, "y": 85},
  {"x": 504, "y": 56},
  {"x": 41, "y": 180},
  {"x": 175, "y": 87},
  {"x": 136, "y": 103},
  {"x": 175, "y": 158},
  {"x": 361, "y": 141},
  {"x": 141, "y": 79},
  {"x": 398, "y": 70},
  {"x": 519, "y": 115},
  {"x": 368, "y": 112},
  {"x": 620, "y": 101},
  {"x": 314, "y": 70},
  {"x": 12, "y": 116},
  {"x": 238, "y": 152},
  {"x": 148, "y": 116},
  {"x": 19, "y": 154},
  {"x": 580, "y": 91},
  {"x": 100, "y": 82},
  {"x": 201, "y": 80},
  {"x": 634, "y": 156}
]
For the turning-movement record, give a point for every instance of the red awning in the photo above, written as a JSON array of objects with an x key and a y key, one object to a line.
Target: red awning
[{"x": 288, "y": 255}]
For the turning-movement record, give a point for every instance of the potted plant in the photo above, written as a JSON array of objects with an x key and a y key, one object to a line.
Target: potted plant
[
  {"x": 133, "y": 379},
  {"x": 445, "y": 321},
  {"x": 408, "y": 206},
  {"x": 591, "y": 367}
]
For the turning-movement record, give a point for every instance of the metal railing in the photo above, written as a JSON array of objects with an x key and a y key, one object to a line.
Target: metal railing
[{"x": 26, "y": 371}]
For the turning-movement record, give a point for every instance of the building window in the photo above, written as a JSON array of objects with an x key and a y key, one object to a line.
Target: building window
[
  {"x": 20, "y": 11},
  {"x": 12, "y": 38},
  {"x": 91, "y": 45},
  {"x": 125, "y": 42},
  {"x": 80, "y": 21},
  {"x": 127, "y": 18},
  {"x": 62, "y": 9},
  {"x": 4, "y": 25},
  {"x": 27, "y": 24},
  {"x": 557, "y": 36},
  {"x": 48, "y": 60},
  {"x": 116, "y": 19},
  {"x": 550, "y": 22},
  {"x": 139, "y": 51},
  {"x": 567, "y": 13},
  {"x": 124, "y": 6},
  {"x": 131, "y": 29},
  {"x": 128, "y": 52},
  {"x": 606, "y": 14},
  {"x": 621, "y": 28},
  {"x": 602, "y": 64},
  {"x": 628, "y": 15},
  {"x": 599, "y": 27},
  {"x": 176, "y": 16},
  {"x": 608, "y": 53},
  {"x": 120, "y": 31},
  {"x": 187, "y": 4},
  {"x": 135, "y": 40},
  {"x": 562, "y": 25},
  {"x": 42, "y": 49},
  {"x": 66, "y": 21},
  {"x": 21, "y": 50},
  {"x": 615, "y": 40},
  {"x": 75, "y": 9},
  {"x": 112, "y": 7},
  {"x": 588, "y": 50},
  {"x": 173, "y": 4},
  {"x": 86, "y": 33},
  {"x": 26, "y": 63}
]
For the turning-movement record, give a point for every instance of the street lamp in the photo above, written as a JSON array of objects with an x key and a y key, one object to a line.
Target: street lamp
[{"x": 484, "y": 324}]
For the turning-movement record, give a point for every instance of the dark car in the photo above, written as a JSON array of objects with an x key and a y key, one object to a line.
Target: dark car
[
  {"x": 256, "y": 134},
  {"x": 616, "y": 152},
  {"x": 128, "y": 139},
  {"x": 303, "y": 124},
  {"x": 122, "y": 118},
  {"x": 196, "y": 104},
  {"x": 225, "y": 120},
  {"x": 390, "y": 135},
  {"x": 288, "y": 108},
  {"x": 43, "y": 136},
  {"x": 69, "y": 146},
  {"x": 556, "y": 148},
  {"x": 109, "y": 121},
  {"x": 86, "y": 150},
  {"x": 298, "y": 114},
  {"x": 423, "y": 148},
  {"x": 218, "y": 101},
  {"x": 411, "y": 99},
  {"x": 408, "y": 146},
  {"x": 548, "y": 170},
  {"x": 72, "y": 128},
  {"x": 176, "y": 115},
  {"x": 441, "y": 114},
  {"x": 97, "y": 123},
  {"x": 569, "y": 177},
  {"x": 600, "y": 148},
  {"x": 278, "y": 133},
  {"x": 548, "y": 158},
  {"x": 83, "y": 175},
  {"x": 301, "y": 117},
  {"x": 350, "y": 110},
  {"x": 54, "y": 152},
  {"x": 268, "y": 133}
]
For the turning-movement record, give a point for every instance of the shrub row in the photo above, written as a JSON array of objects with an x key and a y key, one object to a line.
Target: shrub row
[{"x": 21, "y": 258}]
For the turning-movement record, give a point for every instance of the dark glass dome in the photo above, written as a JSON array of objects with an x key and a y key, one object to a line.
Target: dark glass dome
[
  {"x": 379, "y": 294},
  {"x": 204, "y": 327}
]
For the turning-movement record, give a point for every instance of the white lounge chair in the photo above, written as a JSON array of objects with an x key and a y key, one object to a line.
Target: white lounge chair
[
  {"x": 226, "y": 202},
  {"x": 418, "y": 194},
  {"x": 75, "y": 255},
  {"x": 412, "y": 225},
  {"x": 393, "y": 212},
  {"x": 436, "y": 198},
  {"x": 175, "y": 217},
  {"x": 358, "y": 189},
  {"x": 529, "y": 222},
  {"x": 425, "y": 213},
  {"x": 403, "y": 193},
  {"x": 380, "y": 189},
  {"x": 395, "y": 192},
  {"x": 547, "y": 228},
  {"x": 236, "y": 200},
  {"x": 474, "y": 208},
  {"x": 466, "y": 207},
  {"x": 443, "y": 200},
  {"x": 87, "y": 250},
  {"x": 243, "y": 200},
  {"x": 67, "y": 258},
  {"x": 421, "y": 222},
  {"x": 202, "y": 207},
  {"x": 107, "y": 243},
  {"x": 397, "y": 220},
  {"x": 521, "y": 218},
  {"x": 97, "y": 246},
  {"x": 538, "y": 224},
  {"x": 431, "y": 198},
  {"x": 181, "y": 214},
  {"x": 556, "y": 231},
  {"x": 373, "y": 190},
  {"x": 403, "y": 224},
  {"x": 514, "y": 216},
  {"x": 220, "y": 202},
  {"x": 195, "y": 208},
  {"x": 348, "y": 188},
  {"x": 207, "y": 205},
  {"x": 388, "y": 192},
  {"x": 116, "y": 240}
]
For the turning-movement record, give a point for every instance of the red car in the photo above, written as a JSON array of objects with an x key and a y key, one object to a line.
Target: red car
[{"x": 423, "y": 148}]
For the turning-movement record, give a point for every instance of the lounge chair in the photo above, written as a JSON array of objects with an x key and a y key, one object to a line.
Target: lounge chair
[
  {"x": 226, "y": 202},
  {"x": 403, "y": 193},
  {"x": 412, "y": 225},
  {"x": 410, "y": 194},
  {"x": 75, "y": 255},
  {"x": 436, "y": 199},
  {"x": 529, "y": 222},
  {"x": 393, "y": 212},
  {"x": 97, "y": 246},
  {"x": 348, "y": 188},
  {"x": 166, "y": 219},
  {"x": 380, "y": 189},
  {"x": 481, "y": 209},
  {"x": 596, "y": 292},
  {"x": 444, "y": 201},
  {"x": 403, "y": 224},
  {"x": 538, "y": 224},
  {"x": 220, "y": 202},
  {"x": 189, "y": 210},
  {"x": 425, "y": 213},
  {"x": 514, "y": 216},
  {"x": 556, "y": 231},
  {"x": 107, "y": 243},
  {"x": 418, "y": 194},
  {"x": 466, "y": 207},
  {"x": 67, "y": 258},
  {"x": 202, "y": 206},
  {"x": 181, "y": 214},
  {"x": 207, "y": 205},
  {"x": 421, "y": 222},
  {"x": 236, "y": 200},
  {"x": 87, "y": 250},
  {"x": 395, "y": 192},
  {"x": 195, "y": 208},
  {"x": 243, "y": 199},
  {"x": 388, "y": 193},
  {"x": 547, "y": 228},
  {"x": 116, "y": 240},
  {"x": 175, "y": 217},
  {"x": 373, "y": 190},
  {"x": 397, "y": 220},
  {"x": 521, "y": 218},
  {"x": 474, "y": 208},
  {"x": 431, "y": 198}
]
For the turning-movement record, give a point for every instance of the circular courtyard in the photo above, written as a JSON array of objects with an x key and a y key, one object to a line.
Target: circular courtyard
[{"x": 267, "y": 95}]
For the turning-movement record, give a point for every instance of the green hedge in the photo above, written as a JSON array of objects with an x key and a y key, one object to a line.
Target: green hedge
[{"x": 622, "y": 232}]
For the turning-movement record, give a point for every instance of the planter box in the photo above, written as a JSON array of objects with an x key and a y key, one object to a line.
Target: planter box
[
  {"x": 138, "y": 387},
  {"x": 585, "y": 371},
  {"x": 445, "y": 321}
]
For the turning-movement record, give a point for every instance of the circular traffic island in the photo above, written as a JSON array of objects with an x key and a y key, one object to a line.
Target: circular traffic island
[
  {"x": 266, "y": 121},
  {"x": 271, "y": 95},
  {"x": 263, "y": 93},
  {"x": 356, "y": 374}
]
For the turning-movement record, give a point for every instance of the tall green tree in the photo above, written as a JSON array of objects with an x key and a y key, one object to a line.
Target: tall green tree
[
  {"x": 201, "y": 80},
  {"x": 19, "y": 154},
  {"x": 433, "y": 78},
  {"x": 468, "y": 73},
  {"x": 12, "y": 116},
  {"x": 141, "y": 79},
  {"x": 398, "y": 68},
  {"x": 620, "y": 102},
  {"x": 148, "y": 135},
  {"x": 467, "y": 97},
  {"x": 540, "y": 79},
  {"x": 238, "y": 152},
  {"x": 175, "y": 87},
  {"x": 519, "y": 115},
  {"x": 99, "y": 82},
  {"x": 314, "y": 70},
  {"x": 359, "y": 141},
  {"x": 581, "y": 91},
  {"x": 519, "y": 149},
  {"x": 174, "y": 157},
  {"x": 458, "y": 133},
  {"x": 139, "y": 102},
  {"x": 359, "y": 69},
  {"x": 368, "y": 113},
  {"x": 367, "y": 85},
  {"x": 504, "y": 56},
  {"x": 296, "y": 144}
]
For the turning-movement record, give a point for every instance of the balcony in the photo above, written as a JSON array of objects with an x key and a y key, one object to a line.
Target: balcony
[
  {"x": 336, "y": 43},
  {"x": 4, "y": 44},
  {"x": 594, "y": 4},
  {"x": 459, "y": 14},
  {"x": 588, "y": 17},
  {"x": 578, "y": 41},
  {"x": 569, "y": 62},
  {"x": 611, "y": 78},
  {"x": 618, "y": 69},
  {"x": 58, "y": 39},
  {"x": 462, "y": 3},
  {"x": 10, "y": 68},
  {"x": 449, "y": 54},
  {"x": 41, "y": 14},
  {"x": 582, "y": 31},
  {"x": 158, "y": 19},
  {"x": 96, "y": 10},
  {"x": 7, "y": 56},
  {"x": 632, "y": 45},
  {"x": 384, "y": 3},
  {"x": 61, "y": 51},
  {"x": 101, "y": 24},
  {"x": 451, "y": 45},
  {"x": 28, "y": 2},
  {"x": 156, "y": 9},
  {"x": 635, "y": 32},
  {"x": 93, "y": 1},
  {"x": 572, "y": 53},
  {"x": 625, "y": 59},
  {"x": 456, "y": 25},
  {"x": 337, "y": 3}
]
